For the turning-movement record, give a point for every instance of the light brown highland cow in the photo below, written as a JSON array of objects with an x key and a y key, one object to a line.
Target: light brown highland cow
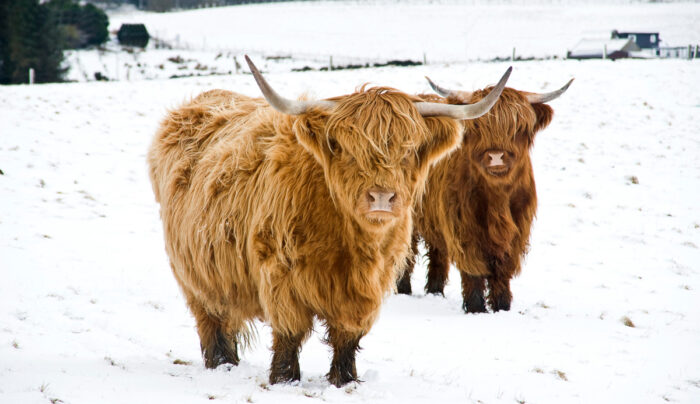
[
  {"x": 480, "y": 201},
  {"x": 294, "y": 210}
]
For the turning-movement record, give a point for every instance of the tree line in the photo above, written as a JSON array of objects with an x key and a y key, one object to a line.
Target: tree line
[
  {"x": 33, "y": 34},
  {"x": 167, "y": 5}
]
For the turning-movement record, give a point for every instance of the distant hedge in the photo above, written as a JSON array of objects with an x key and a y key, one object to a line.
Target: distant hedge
[
  {"x": 167, "y": 5},
  {"x": 82, "y": 26}
]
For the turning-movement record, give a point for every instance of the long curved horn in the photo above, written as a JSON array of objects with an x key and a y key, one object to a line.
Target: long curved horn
[
  {"x": 470, "y": 111},
  {"x": 446, "y": 92},
  {"x": 280, "y": 103},
  {"x": 535, "y": 98}
]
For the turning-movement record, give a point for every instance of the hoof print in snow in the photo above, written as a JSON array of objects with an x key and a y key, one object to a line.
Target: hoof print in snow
[{"x": 632, "y": 179}]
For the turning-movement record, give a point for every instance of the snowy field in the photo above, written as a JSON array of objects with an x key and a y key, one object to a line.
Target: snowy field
[
  {"x": 445, "y": 30},
  {"x": 316, "y": 34},
  {"x": 607, "y": 309}
]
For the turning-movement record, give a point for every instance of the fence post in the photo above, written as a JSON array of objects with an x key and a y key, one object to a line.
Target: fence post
[
  {"x": 330, "y": 63},
  {"x": 690, "y": 54},
  {"x": 425, "y": 60},
  {"x": 512, "y": 56},
  {"x": 605, "y": 51},
  {"x": 697, "y": 49},
  {"x": 31, "y": 75}
]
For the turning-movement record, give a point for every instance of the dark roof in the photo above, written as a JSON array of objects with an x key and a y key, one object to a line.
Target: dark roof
[{"x": 634, "y": 33}]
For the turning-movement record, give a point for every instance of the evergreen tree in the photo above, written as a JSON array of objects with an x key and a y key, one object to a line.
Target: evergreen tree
[
  {"x": 94, "y": 22},
  {"x": 6, "y": 65},
  {"x": 31, "y": 40}
]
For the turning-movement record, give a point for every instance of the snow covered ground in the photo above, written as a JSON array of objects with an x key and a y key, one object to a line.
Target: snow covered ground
[
  {"x": 315, "y": 34},
  {"x": 445, "y": 30},
  {"x": 607, "y": 308}
]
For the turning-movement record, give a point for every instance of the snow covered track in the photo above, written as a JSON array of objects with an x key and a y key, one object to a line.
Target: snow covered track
[{"x": 607, "y": 308}]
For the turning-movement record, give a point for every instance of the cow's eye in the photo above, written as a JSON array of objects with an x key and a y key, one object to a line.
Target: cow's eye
[{"x": 334, "y": 146}]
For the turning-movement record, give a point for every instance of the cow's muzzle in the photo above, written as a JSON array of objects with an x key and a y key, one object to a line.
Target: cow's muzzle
[
  {"x": 380, "y": 204},
  {"x": 380, "y": 200},
  {"x": 496, "y": 162}
]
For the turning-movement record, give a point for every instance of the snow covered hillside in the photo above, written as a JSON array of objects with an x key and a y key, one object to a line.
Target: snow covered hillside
[
  {"x": 445, "y": 30},
  {"x": 607, "y": 309},
  {"x": 300, "y": 35}
]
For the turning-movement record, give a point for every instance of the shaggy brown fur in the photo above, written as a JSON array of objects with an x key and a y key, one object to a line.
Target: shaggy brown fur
[
  {"x": 478, "y": 216},
  {"x": 265, "y": 215}
]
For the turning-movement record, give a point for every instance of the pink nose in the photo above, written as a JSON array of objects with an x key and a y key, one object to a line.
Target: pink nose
[
  {"x": 496, "y": 159},
  {"x": 380, "y": 199}
]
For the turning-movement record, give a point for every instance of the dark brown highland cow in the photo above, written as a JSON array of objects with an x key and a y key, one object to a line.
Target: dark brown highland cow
[
  {"x": 480, "y": 201},
  {"x": 293, "y": 210}
]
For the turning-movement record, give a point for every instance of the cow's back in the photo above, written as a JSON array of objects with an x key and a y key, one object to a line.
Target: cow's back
[{"x": 186, "y": 133}]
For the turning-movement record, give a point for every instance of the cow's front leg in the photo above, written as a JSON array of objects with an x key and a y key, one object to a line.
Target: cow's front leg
[
  {"x": 500, "y": 296},
  {"x": 291, "y": 323},
  {"x": 473, "y": 293},
  {"x": 345, "y": 346},
  {"x": 502, "y": 269},
  {"x": 403, "y": 284},
  {"x": 285, "y": 357}
]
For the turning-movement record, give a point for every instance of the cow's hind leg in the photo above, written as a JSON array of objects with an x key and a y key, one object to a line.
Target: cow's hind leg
[
  {"x": 438, "y": 268},
  {"x": 500, "y": 295},
  {"x": 403, "y": 284},
  {"x": 345, "y": 346},
  {"x": 218, "y": 344},
  {"x": 473, "y": 293}
]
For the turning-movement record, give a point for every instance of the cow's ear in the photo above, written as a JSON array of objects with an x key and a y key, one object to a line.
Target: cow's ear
[
  {"x": 310, "y": 133},
  {"x": 544, "y": 114},
  {"x": 445, "y": 136}
]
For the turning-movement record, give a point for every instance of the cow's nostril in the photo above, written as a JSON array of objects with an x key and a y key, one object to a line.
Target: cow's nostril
[
  {"x": 393, "y": 198},
  {"x": 370, "y": 197}
]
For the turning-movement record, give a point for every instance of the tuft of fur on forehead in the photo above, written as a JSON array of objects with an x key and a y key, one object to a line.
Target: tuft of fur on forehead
[
  {"x": 379, "y": 122},
  {"x": 512, "y": 115}
]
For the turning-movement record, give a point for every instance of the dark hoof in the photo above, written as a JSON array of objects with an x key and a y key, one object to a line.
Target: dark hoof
[
  {"x": 288, "y": 376},
  {"x": 340, "y": 378},
  {"x": 217, "y": 360},
  {"x": 435, "y": 288},
  {"x": 222, "y": 351},
  {"x": 474, "y": 309},
  {"x": 502, "y": 303},
  {"x": 285, "y": 370},
  {"x": 403, "y": 286},
  {"x": 475, "y": 304}
]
